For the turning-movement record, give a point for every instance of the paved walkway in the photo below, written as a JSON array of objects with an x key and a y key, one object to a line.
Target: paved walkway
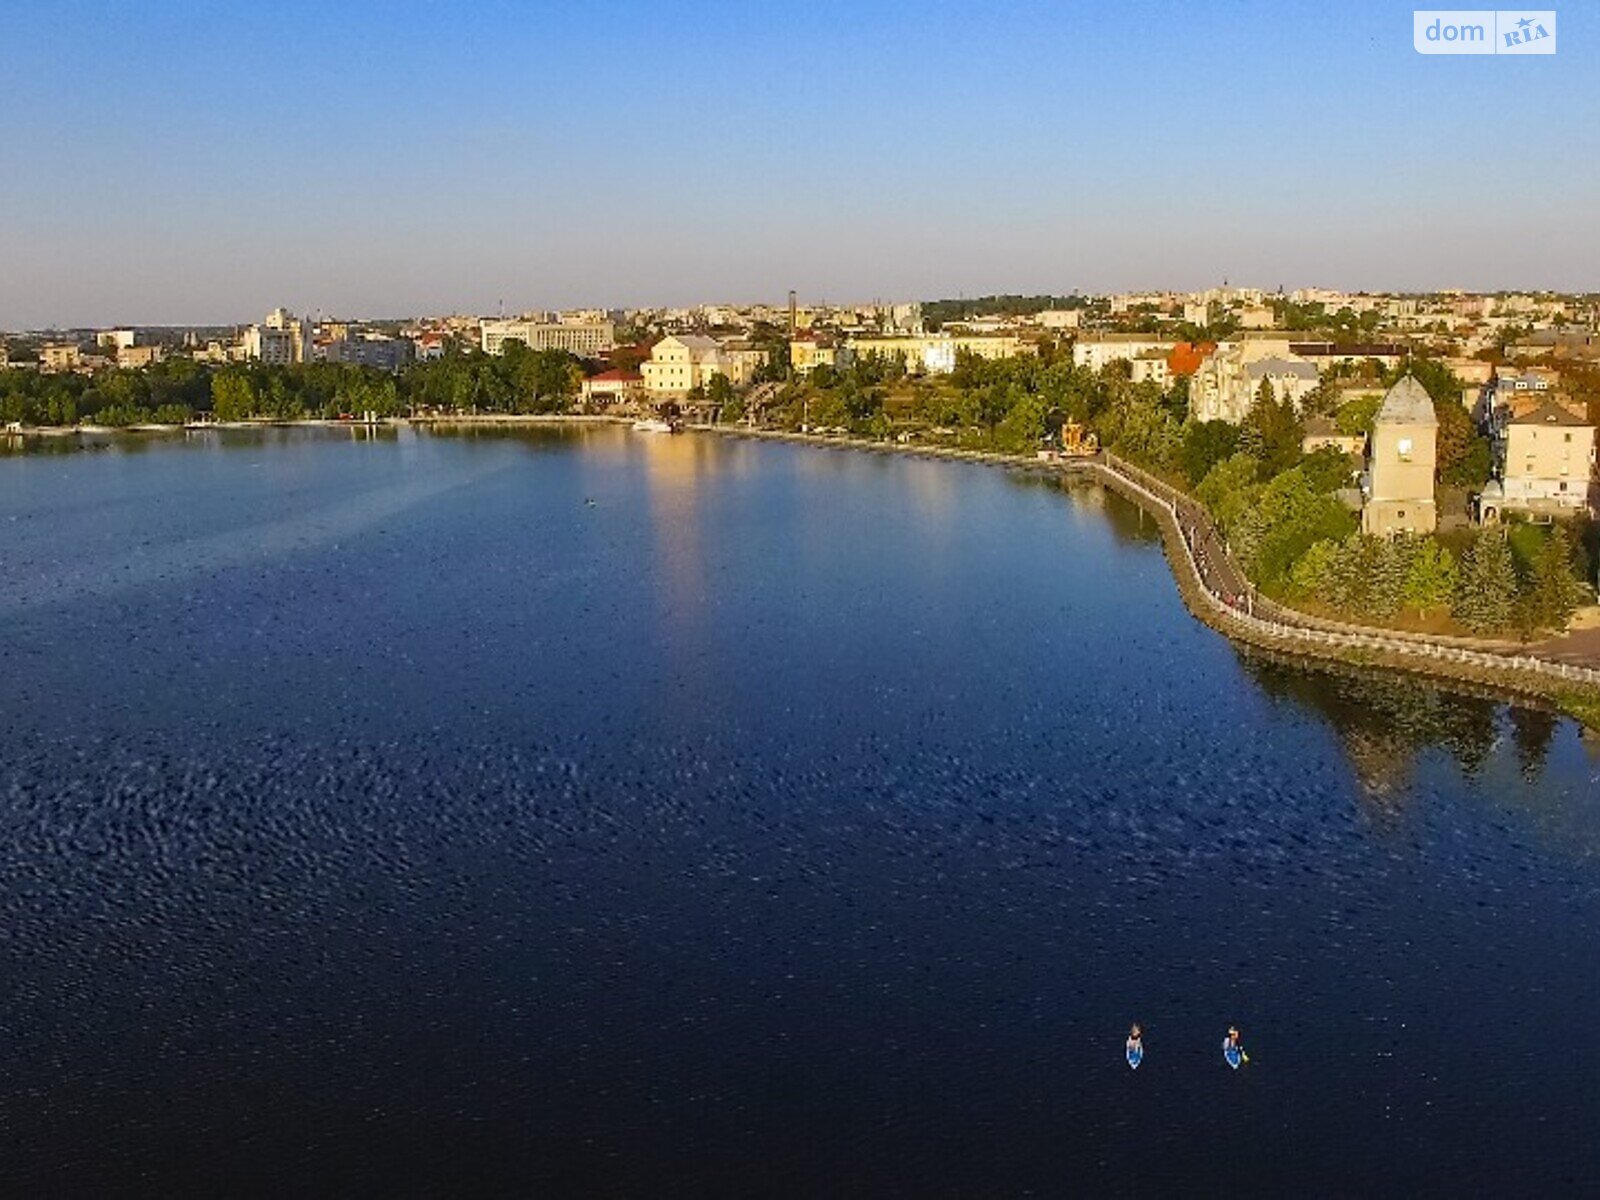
[{"x": 1224, "y": 578}]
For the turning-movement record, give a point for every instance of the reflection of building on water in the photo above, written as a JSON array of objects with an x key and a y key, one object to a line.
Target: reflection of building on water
[{"x": 672, "y": 470}]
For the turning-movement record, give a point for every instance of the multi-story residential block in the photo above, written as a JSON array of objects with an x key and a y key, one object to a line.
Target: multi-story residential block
[
  {"x": 384, "y": 353},
  {"x": 1544, "y": 459},
  {"x": 1402, "y": 455},
  {"x": 139, "y": 356},
  {"x": 1226, "y": 385},
  {"x": 586, "y": 339},
  {"x": 280, "y": 340},
  {"x": 59, "y": 356},
  {"x": 116, "y": 339}
]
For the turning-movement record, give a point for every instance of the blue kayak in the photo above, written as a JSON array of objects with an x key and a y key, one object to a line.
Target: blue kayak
[
  {"x": 1135, "y": 1055},
  {"x": 1232, "y": 1054}
]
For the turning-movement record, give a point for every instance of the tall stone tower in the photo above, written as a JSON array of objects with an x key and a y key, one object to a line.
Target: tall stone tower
[{"x": 1402, "y": 455}]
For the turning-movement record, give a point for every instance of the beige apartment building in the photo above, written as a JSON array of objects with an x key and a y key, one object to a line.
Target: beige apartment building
[
  {"x": 62, "y": 356},
  {"x": 1546, "y": 456},
  {"x": 139, "y": 356},
  {"x": 1402, "y": 455}
]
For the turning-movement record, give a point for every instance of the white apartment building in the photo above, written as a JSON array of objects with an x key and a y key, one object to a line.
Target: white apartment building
[
  {"x": 280, "y": 340},
  {"x": 586, "y": 339},
  {"x": 1096, "y": 350}
]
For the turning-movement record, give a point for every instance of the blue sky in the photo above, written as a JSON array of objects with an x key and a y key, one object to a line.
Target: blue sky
[{"x": 188, "y": 162}]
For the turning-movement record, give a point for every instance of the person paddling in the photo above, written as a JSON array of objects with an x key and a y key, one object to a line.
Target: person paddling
[{"x": 1233, "y": 1048}]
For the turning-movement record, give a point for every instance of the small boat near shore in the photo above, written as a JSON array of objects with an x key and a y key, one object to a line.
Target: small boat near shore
[{"x": 654, "y": 425}]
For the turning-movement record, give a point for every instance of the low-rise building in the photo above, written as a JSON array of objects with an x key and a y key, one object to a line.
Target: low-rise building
[
  {"x": 1322, "y": 434},
  {"x": 614, "y": 387},
  {"x": 1402, "y": 455},
  {"x": 1152, "y": 366},
  {"x": 1060, "y": 318},
  {"x": 429, "y": 346},
  {"x": 681, "y": 362},
  {"x": 1331, "y": 354}
]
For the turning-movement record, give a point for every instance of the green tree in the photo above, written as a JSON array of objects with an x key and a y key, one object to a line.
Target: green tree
[
  {"x": 1355, "y": 418},
  {"x": 1553, "y": 590},
  {"x": 233, "y": 395},
  {"x": 1486, "y": 592},
  {"x": 1205, "y": 444},
  {"x": 1312, "y": 573},
  {"x": 1433, "y": 577},
  {"x": 1287, "y": 517},
  {"x": 1229, "y": 488},
  {"x": 1390, "y": 568},
  {"x": 1272, "y": 431}
]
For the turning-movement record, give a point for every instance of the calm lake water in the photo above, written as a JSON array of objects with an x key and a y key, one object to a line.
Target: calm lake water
[{"x": 585, "y": 813}]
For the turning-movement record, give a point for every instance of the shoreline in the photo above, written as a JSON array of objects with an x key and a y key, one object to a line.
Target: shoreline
[
  {"x": 1497, "y": 666},
  {"x": 1503, "y": 667}
]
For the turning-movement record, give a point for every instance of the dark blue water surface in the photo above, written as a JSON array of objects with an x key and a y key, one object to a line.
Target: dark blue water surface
[{"x": 586, "y": 813}]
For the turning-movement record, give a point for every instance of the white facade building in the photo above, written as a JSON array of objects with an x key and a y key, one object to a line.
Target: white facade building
[
  {"x": 1096, "y": 350},
  {"x": 586, "y": 339}
]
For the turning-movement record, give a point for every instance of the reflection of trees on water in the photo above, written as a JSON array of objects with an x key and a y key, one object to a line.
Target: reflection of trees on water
[
  {"x": 1126, "y": 520},
  {"x": 1386, "y": 720},
  {"x": 1532, "y": 731}
]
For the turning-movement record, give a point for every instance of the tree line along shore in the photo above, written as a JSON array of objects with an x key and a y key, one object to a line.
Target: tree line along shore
[{"x": 1285, "y": 511}]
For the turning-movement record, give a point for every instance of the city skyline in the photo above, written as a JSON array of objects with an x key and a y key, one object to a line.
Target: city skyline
[{"x": 670, "y": 155}]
